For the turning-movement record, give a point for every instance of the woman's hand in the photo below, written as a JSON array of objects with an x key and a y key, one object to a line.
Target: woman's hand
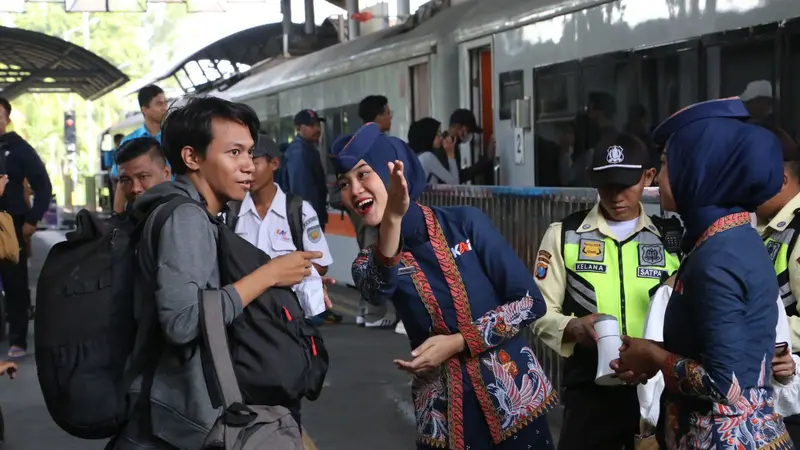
[
  {"x": 326, "y": 281},
  {"x": 638, "y": 360},
  {"x": 449, "y": 146},
  {"x": 397, "y": 192},
  {"x": 432, "y": 353},
  {"x": 3, "y": 183},
  {"x": 783, "y": 367}
]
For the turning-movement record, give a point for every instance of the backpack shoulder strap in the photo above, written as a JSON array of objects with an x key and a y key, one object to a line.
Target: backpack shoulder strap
[
  {"x": 232, "y": 216},
  {"x": 161, "y": 215},
  {"x": 294, "y": 215},
  {"x": 217, "y": 366}
]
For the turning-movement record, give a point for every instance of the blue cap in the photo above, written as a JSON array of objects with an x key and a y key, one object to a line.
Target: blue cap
[
  {"x": 731, "y": 108},
  {"x": 378, "y": 150}
]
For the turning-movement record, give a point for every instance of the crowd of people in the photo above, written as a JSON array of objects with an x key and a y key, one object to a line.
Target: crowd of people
[{"x": 704, "y": 307}]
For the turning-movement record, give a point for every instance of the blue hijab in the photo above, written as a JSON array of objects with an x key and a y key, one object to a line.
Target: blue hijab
[
  {"x": 718, "y": 164},
  {"x": 378, "y": 150}
]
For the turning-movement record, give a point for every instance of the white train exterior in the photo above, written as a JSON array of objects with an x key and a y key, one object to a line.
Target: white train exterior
[{"x": 535, "y": 61}]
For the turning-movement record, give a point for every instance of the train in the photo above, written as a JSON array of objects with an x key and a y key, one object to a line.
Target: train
[{"x": 528, "y": 70}]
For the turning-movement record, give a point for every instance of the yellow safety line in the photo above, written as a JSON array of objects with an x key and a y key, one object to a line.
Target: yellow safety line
[{"x": 308, "y": 443}]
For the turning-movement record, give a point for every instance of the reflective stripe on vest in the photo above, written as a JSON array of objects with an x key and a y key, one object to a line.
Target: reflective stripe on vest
[
  {"x": 605, "y": 278},
  {"x": 778, "y": 249}
]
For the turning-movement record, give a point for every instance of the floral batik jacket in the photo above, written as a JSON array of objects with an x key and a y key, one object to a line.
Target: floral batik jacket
[{"x": 463, "y": 277}]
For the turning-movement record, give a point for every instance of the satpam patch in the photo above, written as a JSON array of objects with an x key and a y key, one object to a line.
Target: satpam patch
[
  {"x": 651, "y": 255},
  {"x": 314, "y": 234},
  {"x": 541, "y": 270},
  {"x": 592, "y": 250},
  {"x": 644, "y": 272}
]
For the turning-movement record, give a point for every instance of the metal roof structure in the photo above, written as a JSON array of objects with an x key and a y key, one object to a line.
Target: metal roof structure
[
  {"x": 77, "y": 6},
  {"x": 34, "y": 62},
  {"x": 225, "y": 61}
]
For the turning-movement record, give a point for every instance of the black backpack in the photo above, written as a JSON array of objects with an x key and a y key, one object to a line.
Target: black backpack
[
  {"x": 278, "y": 355},
  {"x": 85, "y": 326},
  {"x": 294, "y": 215}
]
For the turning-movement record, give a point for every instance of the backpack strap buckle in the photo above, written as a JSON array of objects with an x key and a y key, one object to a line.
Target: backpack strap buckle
[{"x": 238, "y": 415}]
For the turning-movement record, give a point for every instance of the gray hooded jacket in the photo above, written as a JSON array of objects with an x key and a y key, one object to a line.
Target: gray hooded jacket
[{"x": 167, "y": 300}]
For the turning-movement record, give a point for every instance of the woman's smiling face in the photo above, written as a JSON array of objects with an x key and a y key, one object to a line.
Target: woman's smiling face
[{"x": 364, "y": 193}]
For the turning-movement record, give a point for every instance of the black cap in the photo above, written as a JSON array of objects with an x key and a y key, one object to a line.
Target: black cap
[
  {"x": 307, "y": 117},
  {"x": 266, "y": 146},
  {"x": 622, "y": 163},
  {"x": 466, "y": 118}
]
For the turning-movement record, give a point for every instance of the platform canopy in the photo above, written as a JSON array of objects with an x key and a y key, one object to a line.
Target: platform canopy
[
  {"x": 34, "y": 62},
  {"x": 18, "y": 6},
  {"x": 226, "y": 60}
]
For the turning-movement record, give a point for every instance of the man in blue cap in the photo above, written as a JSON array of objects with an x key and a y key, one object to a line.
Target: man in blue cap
[{"x": 304, "y": 174}]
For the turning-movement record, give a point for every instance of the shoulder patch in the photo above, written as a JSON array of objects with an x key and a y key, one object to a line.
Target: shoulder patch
[
  {"x": 541, "y": 269},
  {"x": 310, "y": 221},
  {"x": 314, "y": 234}
]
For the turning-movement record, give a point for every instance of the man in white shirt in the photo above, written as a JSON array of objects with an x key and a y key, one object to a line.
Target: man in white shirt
[{"x": 267, "y": 216}]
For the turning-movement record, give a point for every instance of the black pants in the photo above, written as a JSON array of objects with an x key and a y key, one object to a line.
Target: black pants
[
  {"x": 598, "y": 418},
  {"x": 793, "y": 427},
  {"x": 18, "y": 294}
]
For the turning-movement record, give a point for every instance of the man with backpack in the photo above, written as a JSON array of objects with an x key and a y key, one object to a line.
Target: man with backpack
[
  {"x": 88, "y": 351},
  {"x": 279, "y": 223}
]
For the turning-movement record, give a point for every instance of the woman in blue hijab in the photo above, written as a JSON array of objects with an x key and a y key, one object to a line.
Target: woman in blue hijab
[
  {"x": 719, "y": 327},
  {"x": 463, "y": 295}
]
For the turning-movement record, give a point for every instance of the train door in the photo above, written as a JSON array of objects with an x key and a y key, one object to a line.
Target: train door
[
  {"x": 481, "y": 104},
  {"x": 420, "y": 91}
]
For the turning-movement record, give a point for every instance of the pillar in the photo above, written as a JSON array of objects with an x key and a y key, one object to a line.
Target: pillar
[
  {"x": 286, "y": 10},
  {"x": 352, "y": 26},
  {"x": 310, "y": 25}
]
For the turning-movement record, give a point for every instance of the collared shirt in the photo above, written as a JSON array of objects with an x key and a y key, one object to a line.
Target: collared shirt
[
  {"x": 550, "y": 328},
  {"x": 776, "y": 225},
  {"x": 272, "y": 235},
  {"x": 139, "y": 132}
]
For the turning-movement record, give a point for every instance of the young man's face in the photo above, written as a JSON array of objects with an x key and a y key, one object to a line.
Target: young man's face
[
  {"x": 384, "y": 120},
  {"x": 310, "y": 133},
  {"x": 228, "y": 163},
  {"x": 621, "y": 203},
  {"x": 156, "y": 109},
  {"x": 5, "y": 119},
  {"x": 265, "y": 168},
  {"x": 142, "y": 173}
]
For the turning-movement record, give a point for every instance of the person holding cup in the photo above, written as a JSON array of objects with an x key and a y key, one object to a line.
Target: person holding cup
[
  {"x": 720, "y": 322},
  {"x": 605, "y": 260}
]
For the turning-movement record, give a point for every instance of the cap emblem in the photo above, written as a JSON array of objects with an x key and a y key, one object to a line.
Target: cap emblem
[{"x": 614, "y": 154}]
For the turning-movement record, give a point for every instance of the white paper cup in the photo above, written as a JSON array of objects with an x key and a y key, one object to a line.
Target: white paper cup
[{"x": 608, "y": 344}]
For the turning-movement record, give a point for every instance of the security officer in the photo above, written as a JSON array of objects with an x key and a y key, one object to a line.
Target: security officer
[
  {"x": 263, "y": 219},
  {"x": 779, "y": 225},
  {"x": 607, "y": 260}
]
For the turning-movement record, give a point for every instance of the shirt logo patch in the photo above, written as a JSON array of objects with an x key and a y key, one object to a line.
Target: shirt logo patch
[
  {"x": 643, "y": 272},
  {"x": 314, "y": 234},
  {"x": 407, "y": 270},
  {"x": 591, "y": 250},
  {"x": 651, "y": 255},
  {"x": 615, "y": 155},
  {"x": 773, "y": 247},
  {"x": 282, "y": 234},
  {"x": 461, "y": 248},
  {"x": 587, "y": 267},
  {"x": 544, "y": 256},
  {"x": 541, "y": 270}
]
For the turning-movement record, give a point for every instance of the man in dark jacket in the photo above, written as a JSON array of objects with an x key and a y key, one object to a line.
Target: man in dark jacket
[{"x": 22, "y": 163}]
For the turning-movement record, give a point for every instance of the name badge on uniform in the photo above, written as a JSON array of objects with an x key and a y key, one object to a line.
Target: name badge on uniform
[
  {"x": 406, "y": 270},
  {"x": 591, "y": 250},
  {"x": 644, "y": 272},
  {"x": 651, "y": 255},
  {"x": 773, "y": 247},
  {"x": 587, "y": 267}
]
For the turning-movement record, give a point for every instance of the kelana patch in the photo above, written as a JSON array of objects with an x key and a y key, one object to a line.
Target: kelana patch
[{"x": 314, "y": 234}]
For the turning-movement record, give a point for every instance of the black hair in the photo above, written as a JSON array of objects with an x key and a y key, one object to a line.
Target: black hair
[
  {"x": 422, "y": 133},
  {"x": 6, "y": 105},
  {"x": 371, "y": 107},
  {"x": 789, "y": 148},
  {"x": 190, "y": 126},
  {"x": 148, "y": 93},
  {"x": 118, "y": 137},
  {"x": 137, "y": 147}
]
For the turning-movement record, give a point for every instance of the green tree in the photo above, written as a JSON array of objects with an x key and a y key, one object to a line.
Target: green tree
[{"x": 132, "y": 42}]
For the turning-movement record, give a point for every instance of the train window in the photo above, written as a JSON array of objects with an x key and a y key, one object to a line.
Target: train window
[
  {"x": 287, "y": 131},
  {"x": 790, "y": 86},
  {"x": 556, "y": 93},
  {"x": 511, "y": 88},
  {"x": 350, "y": 120},
  {"x": 746, "y": 69},
  {"x": 606, "y": 87}
]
